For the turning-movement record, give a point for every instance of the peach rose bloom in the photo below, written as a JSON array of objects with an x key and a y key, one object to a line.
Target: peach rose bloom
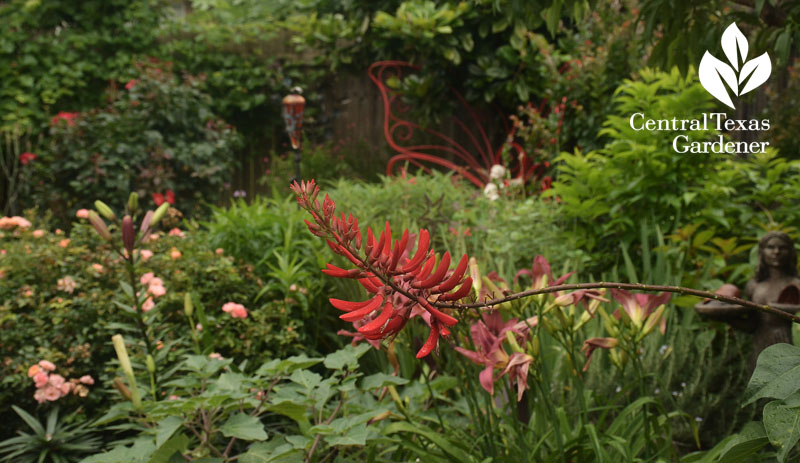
[
  {"x": 40, "y": 379},
  {"x": 64, "y": 243},
  {"x": 38, "y": 233},
  {"x": 97, "y": 268},
  {"x": 146, "y": 254},
  {"x": 33, "y": 370},
  {"x": 82, "y": 213},
  {"x": 175, "y": 254},
  {"x": 146, "y": 278},
  {"x": 47, "y": 365},
  {"x": 148, "y": 305}
]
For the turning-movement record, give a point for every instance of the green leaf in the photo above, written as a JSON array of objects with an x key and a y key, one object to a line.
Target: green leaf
[
  {"x": 380, "y": 380},
  {"x": 166, "y": 428},
  {"x": 415, "y": 428},
  {"x": 287, "y": 365},
  {"x": 747, "y": 443},
  {"x": 177, "y": 444},
  {"x": 245, "y": 427},
  {"x": 292, "y": 410},
  {"x": 306, "y": 378},
  {"x": 275, "y": 451},
  {"x": 354, "y": 436},
  {"x": 230, "y": 382},
  {"x": 346, "y": 357},
  {"x": 782, "y": 423},
  {"x": 777, "y": 374}
]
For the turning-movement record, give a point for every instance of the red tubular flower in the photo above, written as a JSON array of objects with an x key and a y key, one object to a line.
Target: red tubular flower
[
  {"x": 158, "y": 198},
  {"x": 401, "y": 285},
  {"x": 26, "y": 157}
]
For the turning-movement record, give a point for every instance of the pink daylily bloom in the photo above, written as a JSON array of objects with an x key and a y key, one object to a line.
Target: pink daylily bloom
[
  {"x": 488, "y": 336},
  {"x": 591, "y": 344},
  {"x": 640, "y": 306},
  {"x": 541, "y": 274}
]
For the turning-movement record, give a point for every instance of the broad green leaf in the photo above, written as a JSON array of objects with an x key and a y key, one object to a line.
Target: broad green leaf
[
  {"x": 380, "y": 380},
  {"x": 287, "y": 365},
  {"x": 782, "y": 423},
  {"x": 245, "y": 427},
  {"x": 139, "y": 452},
  {"x": 176, "y": 444},
  {"x": 354, "y": 436},
  {"x": 777, "y": 374},
  {"x": 747, "y": 443},
  {"x": 166, "y": 428},
  {"x": 306, "y": 378},
  {"x": 275, "y": 451},
  {"x": 292, "y": 410},
  {"x": 346, "y": 357}
]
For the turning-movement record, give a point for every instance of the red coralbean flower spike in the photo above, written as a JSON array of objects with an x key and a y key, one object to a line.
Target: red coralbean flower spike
[{"x": 401, "y": 286}]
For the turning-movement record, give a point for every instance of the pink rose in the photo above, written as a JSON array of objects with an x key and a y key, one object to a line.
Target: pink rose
[
  {"x": 56, "y": 380},
  {"x": 86, "y": 379},
  {"x": 52, "y": 393},
  {"x": 97, "y": 268},
  {"x": 176, "y": 232},
  {"x": 239, "y": 312},
  {"x": 157, "y": 290},
  {"x": 146, "y": 278},
  {"x": 38, "y": 233},
  {"x": 47, "y": 365},
  {"x": 198, "y": 327},
  {"x": 148, "y": 305},
  {"x": 82, "y": 213},
  {"x": 39, "y": 396},
  {"x": 219, "y": 251},
  {"x": 215, "y": 355},
  {"x": 40, "y": 379},
  {"x": 65, "y": 388},
  {"x": 146, "y": 254}
]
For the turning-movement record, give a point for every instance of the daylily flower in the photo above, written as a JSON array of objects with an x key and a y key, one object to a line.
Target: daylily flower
[
  {"x": 642, "y": 307},
  {"x": 488, "y": 336},
  {"x": 541, "y": 274},
  {"x": 591, "y": 344}
]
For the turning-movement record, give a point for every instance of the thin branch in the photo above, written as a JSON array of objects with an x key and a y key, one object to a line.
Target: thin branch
[{"x": 626, "y": 286}]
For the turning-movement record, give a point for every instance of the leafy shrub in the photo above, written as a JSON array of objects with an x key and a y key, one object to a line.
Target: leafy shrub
[
  {"x": 80, "y": 317},
  {"x": 156, "y": 135}
]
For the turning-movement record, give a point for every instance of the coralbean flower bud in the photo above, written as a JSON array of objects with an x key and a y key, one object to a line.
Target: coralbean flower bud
[
  {"x": 99, "y": 225},
  {"x": 128, "y": 234},
  {"x": 104, "y": 210}
]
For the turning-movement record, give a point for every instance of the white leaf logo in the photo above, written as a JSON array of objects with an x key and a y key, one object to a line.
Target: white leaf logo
[{"x": 715, "y": 74}]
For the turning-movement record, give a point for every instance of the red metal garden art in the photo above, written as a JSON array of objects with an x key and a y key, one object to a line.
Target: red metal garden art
[{"x": 472, "y": 159}]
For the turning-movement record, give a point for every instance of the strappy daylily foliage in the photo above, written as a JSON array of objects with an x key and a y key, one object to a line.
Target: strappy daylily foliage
[{"x": 401, "y": 285}]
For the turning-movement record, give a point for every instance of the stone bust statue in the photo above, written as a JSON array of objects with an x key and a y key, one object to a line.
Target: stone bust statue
[{"x": 775, "y": 284}]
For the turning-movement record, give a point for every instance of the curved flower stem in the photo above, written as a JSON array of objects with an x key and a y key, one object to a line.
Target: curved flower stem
[{"x": 627, "y": 286}]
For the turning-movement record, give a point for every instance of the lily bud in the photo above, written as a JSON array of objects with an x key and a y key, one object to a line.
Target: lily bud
[
  {"x": 512, "y": 342},
  {"x": 148, "y": 217},
  {"x": 162, "y": 209},
  {"x": 151, "y": 364},
  {"x": 104, "y": 210},
  {"x": 128, "y": 234},
  {"x": 133, "y": 202},
  {"x": 99, "y": 225},
  {"x": 125, "y": 363},
  {"x": 188, "y": 308}
]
